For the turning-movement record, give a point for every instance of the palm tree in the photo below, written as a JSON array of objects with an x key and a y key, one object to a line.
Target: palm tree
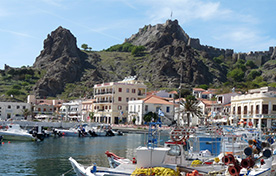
[
  {"x": 26, "y": 113},
  {"x": 191, "y": 108}
]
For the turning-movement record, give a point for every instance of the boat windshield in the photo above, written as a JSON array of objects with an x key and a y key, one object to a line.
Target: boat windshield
[{"x": 175, "y": 150}]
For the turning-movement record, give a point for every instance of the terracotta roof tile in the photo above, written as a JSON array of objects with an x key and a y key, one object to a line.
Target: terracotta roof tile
[
  {"x": 153, "y": 99},
  {"x": 198, "y": 89}
]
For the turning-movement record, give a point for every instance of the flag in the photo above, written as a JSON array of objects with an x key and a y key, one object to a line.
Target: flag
[
  {"x": 160, "y": 113},
  {"x": 122, "y": 112}
]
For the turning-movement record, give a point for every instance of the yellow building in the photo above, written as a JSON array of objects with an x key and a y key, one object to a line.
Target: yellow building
[
  {"x": 256, "y": 108},
  {"x": 111, "y": 99}
]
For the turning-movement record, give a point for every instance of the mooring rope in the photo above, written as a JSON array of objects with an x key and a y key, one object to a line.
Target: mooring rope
[{"x": 67, "y": 172}]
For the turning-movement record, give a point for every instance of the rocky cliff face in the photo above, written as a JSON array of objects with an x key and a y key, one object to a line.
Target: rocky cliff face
[
  {"x": 172, "y": 58},
  {"x": 62, "y": 60},
  {"x": 157, "y": 36},
  {"x": 175, "y": 59}
]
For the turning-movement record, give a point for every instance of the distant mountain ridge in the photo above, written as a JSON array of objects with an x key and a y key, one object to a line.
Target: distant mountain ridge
[{"x": 172, "y": 58}]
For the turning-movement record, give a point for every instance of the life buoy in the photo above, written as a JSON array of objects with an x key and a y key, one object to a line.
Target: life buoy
[{"x": 178, "y": 134}]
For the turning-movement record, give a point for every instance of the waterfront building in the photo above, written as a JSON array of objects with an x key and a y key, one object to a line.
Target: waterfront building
[
  {"x": 71, "y": 111},
  {"x": 44, "y": 108},
  {"x": 87, "y": 110},
  {"x": 152, "y": 103},
  {"x": 13, "y": 110},
  {"x": 256, "y": 108},
  {"x": 204, "y": 94},
  {"x": 111, "y": 99}
]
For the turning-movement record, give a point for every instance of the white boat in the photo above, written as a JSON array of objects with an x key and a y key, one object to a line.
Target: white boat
[
  {"x": 87, "y": 130},
  {"x": 76, "y": 131},
  {"x": 150, "y": 157},
  {"x": 94, "y": 170},
  {"x": 104, "y": 130},
  {"x": 15, "y": 132}
]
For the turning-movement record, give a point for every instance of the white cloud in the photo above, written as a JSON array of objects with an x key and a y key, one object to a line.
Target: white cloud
[{"x": 17, "y": 33}]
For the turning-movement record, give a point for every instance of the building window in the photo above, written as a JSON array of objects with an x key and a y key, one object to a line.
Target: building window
[
  {"x": 133, "y": 90},
  {"x": 109, "y": 107},
  {"x": 9, "y": 106},
  {"x": 24, "y": 107},
  {"x": 168, "y": 109},
  {"x": 126, "y": 108},
  {"x": 127, "y": 90},
  {"x": 251, "y": 109},
  {"x": 157, "y": 108},
  {"x": 245, "y": 110},
  {"x": 17, "y": 107},
  {"x": 239, "y": 110},
  {"x": 265, "y": 109},
  {"x": 119, "y": 98},
  {"x": 257, "y": 109},
  {"x": 146, "y": 108},
  {"x": 38, "y": 109},
  {"x": 234, "y": 110},
  {"x": 273, "y": 108},
  {"x": 44, "y": 109},
  {"x": 127, "y": 99},
  {"x": 120, "y": 89},
  {"x": 119, "y": 107}
]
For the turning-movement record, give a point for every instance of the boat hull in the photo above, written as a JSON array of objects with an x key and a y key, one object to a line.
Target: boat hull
[{"x": 17, "y": 137}]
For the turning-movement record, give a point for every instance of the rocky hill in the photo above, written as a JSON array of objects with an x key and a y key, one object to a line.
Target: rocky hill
[{"x": 171, "y": 58}]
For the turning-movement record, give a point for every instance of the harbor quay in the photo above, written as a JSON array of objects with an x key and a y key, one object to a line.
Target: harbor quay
[{"x": 138, "y": 129}]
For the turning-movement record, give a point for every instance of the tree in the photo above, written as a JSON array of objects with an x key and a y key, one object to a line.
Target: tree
[
  {"x": 84, "y": 46},
  {"x": 90, "y": 48},
  {"x": 203, "y": 86},
  {"x": 191, "y": 108},
  {"x": 26, "y": 113},
  {"x": 237, "y": 74},
  {"x": 149, "y": 116}
]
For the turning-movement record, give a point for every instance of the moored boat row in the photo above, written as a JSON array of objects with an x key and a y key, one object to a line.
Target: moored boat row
[{"x": 257, "y": 157}]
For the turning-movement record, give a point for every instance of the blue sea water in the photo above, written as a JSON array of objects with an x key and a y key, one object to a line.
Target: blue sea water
[{"x": 50, "y": 157}]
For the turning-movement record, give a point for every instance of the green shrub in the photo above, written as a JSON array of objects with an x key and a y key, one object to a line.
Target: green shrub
[
  {"x": 16, "y": 87},
  {"x": 13, "y": 92}
]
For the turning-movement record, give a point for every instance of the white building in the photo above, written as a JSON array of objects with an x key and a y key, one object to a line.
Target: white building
[
  {"x": 71, "y": 111},
  {"x": 258, "y": 108},
  {"x": 13, "y": 110},
  {"x": 87, "y": 109},
  {"x": 152, "y": 103},
  {"x": 111, "y": 99}
]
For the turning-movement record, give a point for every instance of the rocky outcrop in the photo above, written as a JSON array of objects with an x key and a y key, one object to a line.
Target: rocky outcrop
[
  {"x": 62, "y": 60},
  {"x": 172, "y": 58},
  {"x": 157, "y": 36}
]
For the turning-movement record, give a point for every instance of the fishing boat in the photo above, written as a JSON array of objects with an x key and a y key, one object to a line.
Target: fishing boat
[
  {"x": 15, "y": 132},
  {"x": 149, "y": 160}
]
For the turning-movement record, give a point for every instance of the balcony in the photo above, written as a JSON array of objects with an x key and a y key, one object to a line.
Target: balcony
[
  {"x": 103, "y": 101},
  {"x": 104, "y": 93}
]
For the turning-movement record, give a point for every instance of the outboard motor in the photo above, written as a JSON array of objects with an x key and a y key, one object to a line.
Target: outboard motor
[
  {"x": 109, "y": 133},
  {"x": 40, "y": 134},
  {"x": 92, "y": 133},
  {"x": 120, "y": 133}
]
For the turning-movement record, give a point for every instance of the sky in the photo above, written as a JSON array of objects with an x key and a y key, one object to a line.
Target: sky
[{"x": 242, "y": 25}]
